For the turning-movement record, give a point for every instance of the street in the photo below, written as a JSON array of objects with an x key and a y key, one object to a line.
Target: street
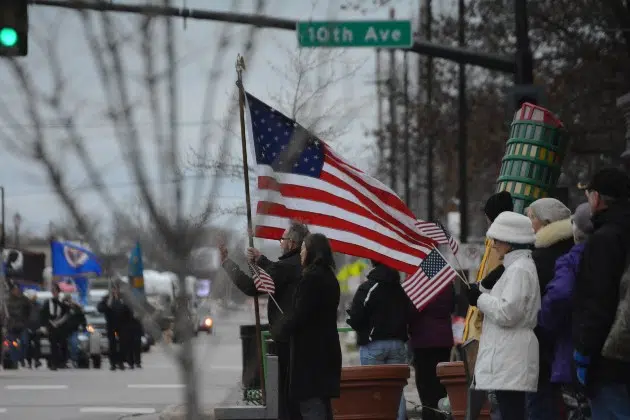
[{"x": 101, "y": 394}]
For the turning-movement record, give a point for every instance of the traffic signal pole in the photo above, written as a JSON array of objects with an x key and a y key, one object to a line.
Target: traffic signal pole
[{"x": 461, "y": 55}]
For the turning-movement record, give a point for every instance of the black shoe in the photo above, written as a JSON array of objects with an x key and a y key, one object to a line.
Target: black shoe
[
  {"x": 139, "y": 365},
  {"x": 23, "y": 363},
  {"x": 37, "y": 364},
  {"x": 132, "y": 367},
  {"x": 121, "y": 367},
  {"x": 53, "y": 368},
  {"x": 112, "y": 368}
]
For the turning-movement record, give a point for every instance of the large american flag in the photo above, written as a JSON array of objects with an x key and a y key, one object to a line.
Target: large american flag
[
  {"x": 262, "y": 280},
  {"x": 438, "y": 233},
  {"x": 301, "y": 178},
  {"x": 430, "y": 279}
]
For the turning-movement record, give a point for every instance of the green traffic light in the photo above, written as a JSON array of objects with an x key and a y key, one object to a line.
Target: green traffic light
[{"x": 8, "y": 37}]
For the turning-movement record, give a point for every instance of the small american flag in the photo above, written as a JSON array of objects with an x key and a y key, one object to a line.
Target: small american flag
[
  {"x": 438, "y": 233},
  {"x": 432, "y": 277},
  {"x": 262, "y": 280}
]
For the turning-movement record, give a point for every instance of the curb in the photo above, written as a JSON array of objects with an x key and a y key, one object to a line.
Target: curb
[{"x": 178, "y": 412}]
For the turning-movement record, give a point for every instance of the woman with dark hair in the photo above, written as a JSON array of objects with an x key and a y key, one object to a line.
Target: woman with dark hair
[{"x": 311, "y": 327}]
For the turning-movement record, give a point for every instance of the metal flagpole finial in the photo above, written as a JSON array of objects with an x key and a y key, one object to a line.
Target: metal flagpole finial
[{"x": 240, "y": 68}]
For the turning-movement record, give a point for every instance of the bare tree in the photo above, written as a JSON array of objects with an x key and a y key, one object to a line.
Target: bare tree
[
  {"x": 107, "y": 38},
  {"x": 314, "y": 78}
]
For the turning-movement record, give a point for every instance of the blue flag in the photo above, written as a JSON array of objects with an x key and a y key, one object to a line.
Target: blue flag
[
  {"x": 82, "y": 286},
  {"x": 72, "y": 260},
  {"x": 136, "y": 271}
]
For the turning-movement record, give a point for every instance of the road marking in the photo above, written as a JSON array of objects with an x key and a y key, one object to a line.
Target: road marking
[
  {"x": 34, "y": 387},
  {"x": 155, "y": 386},
  {"x": 117, "y": 410}
]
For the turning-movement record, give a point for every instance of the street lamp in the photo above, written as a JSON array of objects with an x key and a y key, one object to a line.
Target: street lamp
[{"x": 17, "y": 220}]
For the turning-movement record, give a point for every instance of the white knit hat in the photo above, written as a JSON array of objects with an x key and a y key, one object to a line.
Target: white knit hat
[{"x": 512, "y": 228}]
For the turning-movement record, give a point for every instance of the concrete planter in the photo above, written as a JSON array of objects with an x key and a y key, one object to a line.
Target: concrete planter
[
  {"x": 370, "y": 392},
  {"x": 453, "y": 376}
]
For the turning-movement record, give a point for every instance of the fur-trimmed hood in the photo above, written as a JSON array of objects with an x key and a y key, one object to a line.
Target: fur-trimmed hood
[{"x": 553, "y": 233}]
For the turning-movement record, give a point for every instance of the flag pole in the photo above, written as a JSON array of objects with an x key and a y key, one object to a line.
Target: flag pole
[{"x": 240, "y": 67}]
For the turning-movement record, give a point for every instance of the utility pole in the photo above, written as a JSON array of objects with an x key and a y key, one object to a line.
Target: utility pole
[
  {"x": 428, "y": 29},
  {"x": 3, "y": 237},
  {"x": 407, "y": 152},
  {"x": 393, "y": 126},
  {"x": 524, "y": 61},
  {"x": 379, "y": 103},
  {"x": 463, "y": 132}
]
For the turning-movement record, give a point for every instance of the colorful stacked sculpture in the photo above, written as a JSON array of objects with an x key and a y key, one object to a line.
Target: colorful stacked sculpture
[{"x": 533, "y": 159}]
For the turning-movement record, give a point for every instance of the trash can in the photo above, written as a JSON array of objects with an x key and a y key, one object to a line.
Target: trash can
[
  {"x": 251, "y": 379},
  {"x": 533, "y": 157}
]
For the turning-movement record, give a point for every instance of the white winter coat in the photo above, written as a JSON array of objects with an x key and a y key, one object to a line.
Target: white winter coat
[{"x": 508, "y": 349}]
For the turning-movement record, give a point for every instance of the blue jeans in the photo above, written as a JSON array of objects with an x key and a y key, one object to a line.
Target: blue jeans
[
  {"x": 25, "y": 342},
  {"x": 610, "y": 401},
  {"x": 73, "y": 346},
  {"x": 544, "y": 404},
  {"x": 386, "y": 352}
]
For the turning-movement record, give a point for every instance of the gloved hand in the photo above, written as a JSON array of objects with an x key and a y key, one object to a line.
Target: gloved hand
[
  {"x": 581, "y": 366},
  {"x": 473, "y": 294},
  {"x": 492, "y": 277}
]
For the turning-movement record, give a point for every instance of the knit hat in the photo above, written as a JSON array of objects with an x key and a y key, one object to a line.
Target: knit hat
[
  {"x": 582, "y": 218},
  {"x": 513, "y": 228},
  {"x": 549, "y": 210},
  {"x": 497, "y": 204}
]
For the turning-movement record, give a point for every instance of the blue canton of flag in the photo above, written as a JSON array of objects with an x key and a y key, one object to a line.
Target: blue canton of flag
[
  {"x": 432, "y": 277},
  {"x": 282, "y": 143}
]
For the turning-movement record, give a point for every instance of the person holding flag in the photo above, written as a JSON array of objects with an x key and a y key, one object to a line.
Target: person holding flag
[{"x": 285, "y": 275}]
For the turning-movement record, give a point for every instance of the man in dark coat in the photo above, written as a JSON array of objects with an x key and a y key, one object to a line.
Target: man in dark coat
[
  {"x": 33, "y": 353},
  {"x": 76, "y": 322},
  {"x": 19, "y": 309},
  {"x": 286, "y": 274},
  {"x": 601, "y": 307},
  {"x": 117, "y": 316},
  {"x": 54, "y": 316},
  {"x": 379, "y": 314}
]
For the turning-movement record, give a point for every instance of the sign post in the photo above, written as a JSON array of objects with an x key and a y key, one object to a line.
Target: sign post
[{"x": 343, "y": 34}]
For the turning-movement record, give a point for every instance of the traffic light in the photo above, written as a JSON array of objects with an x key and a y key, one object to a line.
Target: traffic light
[{"x": 13, "y": 28}]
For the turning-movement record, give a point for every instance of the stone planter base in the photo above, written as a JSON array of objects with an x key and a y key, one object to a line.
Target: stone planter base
[
  {"x": 453, "y": 376},
  {"x": 370, "y": 392}
]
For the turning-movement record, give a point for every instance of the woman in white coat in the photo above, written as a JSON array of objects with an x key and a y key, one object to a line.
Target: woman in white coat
[{"x": 507, "y": 360}]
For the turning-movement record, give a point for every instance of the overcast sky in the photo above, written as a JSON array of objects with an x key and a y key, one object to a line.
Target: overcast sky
[{"x": 27, "y": 188}]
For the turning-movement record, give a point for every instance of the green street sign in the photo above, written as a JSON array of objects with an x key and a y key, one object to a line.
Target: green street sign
[{"x": 343, "y": 34}]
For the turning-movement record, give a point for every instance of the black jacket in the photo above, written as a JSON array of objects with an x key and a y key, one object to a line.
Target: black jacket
[
  {"x": 380, "y": 308},
  {"x": 76, "y": 318},
  {"x": 19, "y": 309},
  {"x": 117, "y": 313},
  {"x": 597, "y": 292},
  {"x": 285, "y": 273},
  {"x": 311, "y": 327},
  {"x": 54, "y": 310}
]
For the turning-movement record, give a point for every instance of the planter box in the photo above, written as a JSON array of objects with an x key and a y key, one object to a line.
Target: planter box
[
  {"x": 370, "y": 392},
  {"x": 453, "y": 376}
]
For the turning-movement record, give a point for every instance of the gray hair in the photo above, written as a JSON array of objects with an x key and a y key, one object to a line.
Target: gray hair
[
  {"x": 549, "y": 210},
  {"x": 297, "y": 232}
]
